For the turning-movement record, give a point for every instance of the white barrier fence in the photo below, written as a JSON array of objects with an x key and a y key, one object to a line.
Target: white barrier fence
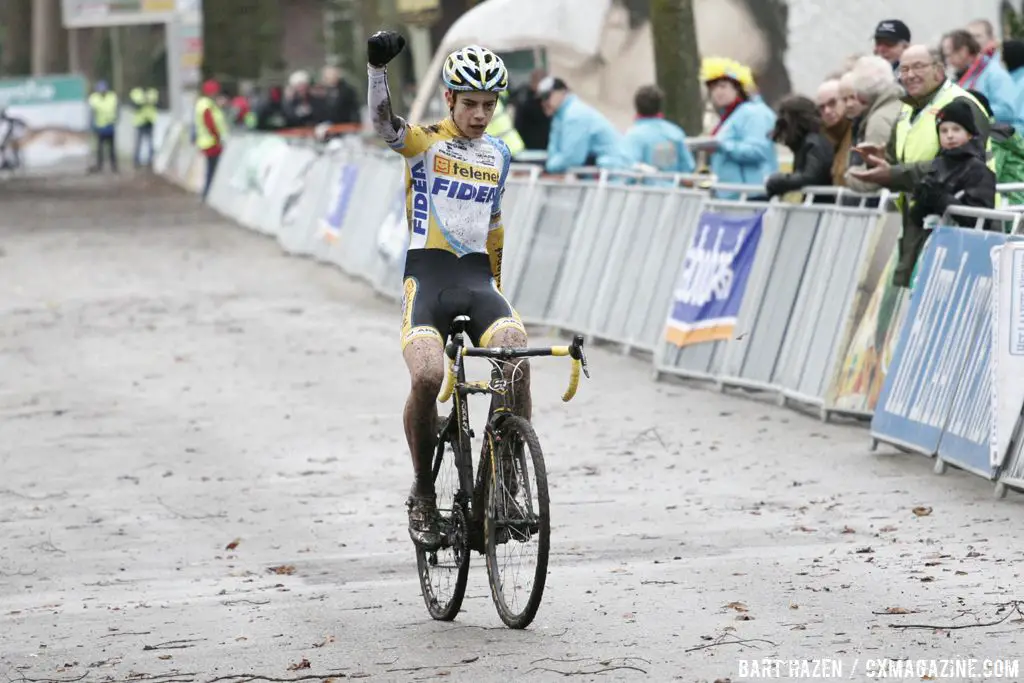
[{"x": 793, "y": 299}]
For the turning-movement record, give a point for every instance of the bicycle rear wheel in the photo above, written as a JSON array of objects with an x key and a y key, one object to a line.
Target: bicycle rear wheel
[
  {"x": 443, "y": 573},
  {"x": 517, "y": 526}
]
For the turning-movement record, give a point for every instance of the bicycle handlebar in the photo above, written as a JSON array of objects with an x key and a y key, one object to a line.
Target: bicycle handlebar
[{"x": 456, "y": 352}]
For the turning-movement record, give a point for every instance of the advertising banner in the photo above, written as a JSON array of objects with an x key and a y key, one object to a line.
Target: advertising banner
[
  {"x": 47, "y": 118},
  {"x": 1008, "y": 349},
  {"x": 331, "y": 224},
  {"x": 869, "y": 354},
  {"x": 940, "y": 368},
  {"x": 713, "y": 279}
]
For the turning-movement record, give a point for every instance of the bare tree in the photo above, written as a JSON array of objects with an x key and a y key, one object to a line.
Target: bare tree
[
  {"x": 677, "y": 63},
  {"x": 16, "y": 38}
]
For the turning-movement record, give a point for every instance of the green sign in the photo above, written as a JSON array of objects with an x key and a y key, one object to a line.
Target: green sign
[{"x": 42, "y": 90}]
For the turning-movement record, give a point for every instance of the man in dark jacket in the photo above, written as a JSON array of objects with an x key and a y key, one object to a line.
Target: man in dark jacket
[
  {"x": 959, "y": 175},
  {"x": 340, "y": 101},
  {"x": 270, "y": 115},
  {"x": 533, "y": 124}
]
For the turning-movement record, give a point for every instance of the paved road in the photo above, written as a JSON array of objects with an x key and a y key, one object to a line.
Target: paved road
[{"x": 171, "y": 383}]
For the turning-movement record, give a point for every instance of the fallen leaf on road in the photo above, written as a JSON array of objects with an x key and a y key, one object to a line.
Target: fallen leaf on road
[
  {"x": 922, "y": 511},
  {"x": 744, "y": 617},
  {"x": 723, "y": 680},
  {"x": 470, "y": 660},
  {"x": 927, "y": 579},
  {"x": 799, "y": 627},
  {"x": 960, "y": 573},
  {"x": 325, "y": 641},
  {"x": 865, "y": 550},
  {"x": 806, "y": 529},
  {"x": 282, "y": 569},
  {"x": 738, "y": 606},
  {"x": 304, "y": 664},
  {"x": 899, "y": 610},
  {"x": 886, "y": 529},
  {"x": 794, "y": 606},
  {"x": 848, "y": 530},
  {"x": 164, "y": 657},
  {"x": 233, "y": 544}
]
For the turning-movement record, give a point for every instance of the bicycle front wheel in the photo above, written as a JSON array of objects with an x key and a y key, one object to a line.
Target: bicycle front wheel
[
  {"x": 517, "y": 526},
  {"x": 443, "y": 573}
]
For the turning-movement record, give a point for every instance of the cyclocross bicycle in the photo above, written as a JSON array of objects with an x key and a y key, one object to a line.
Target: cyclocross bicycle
[{"x": 505, "y": 514}]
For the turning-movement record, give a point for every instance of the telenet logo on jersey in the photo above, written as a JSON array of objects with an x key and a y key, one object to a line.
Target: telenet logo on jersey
[{"x": 461, "y": 180}]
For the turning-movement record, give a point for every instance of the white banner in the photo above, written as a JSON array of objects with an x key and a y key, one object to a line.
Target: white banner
[{"x": 1008, "y": 354}]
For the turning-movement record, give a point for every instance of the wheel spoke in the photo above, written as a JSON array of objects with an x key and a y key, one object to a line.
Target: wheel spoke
[{"x": 518, "y": 528}]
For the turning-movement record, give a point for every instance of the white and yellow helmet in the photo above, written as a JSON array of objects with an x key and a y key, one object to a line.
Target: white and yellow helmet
[{"x": 474, "y": 68}]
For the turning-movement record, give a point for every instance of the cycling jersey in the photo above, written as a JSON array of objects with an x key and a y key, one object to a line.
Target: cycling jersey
[
  {"x": 454, "y": 187},
  {"x": 453, "y": 184}
]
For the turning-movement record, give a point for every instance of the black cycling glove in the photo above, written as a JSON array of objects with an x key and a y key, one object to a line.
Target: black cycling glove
[{"x": 383, "y": 46}]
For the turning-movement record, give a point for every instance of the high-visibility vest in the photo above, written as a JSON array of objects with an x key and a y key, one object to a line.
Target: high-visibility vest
[
  {"x": 104, "y": 108},
  {"x": 501, "y": 126},
  {"x": 918, "y": 140},
  {"x": 204, "y": 138},
  {"x": 145, "y": 105}
]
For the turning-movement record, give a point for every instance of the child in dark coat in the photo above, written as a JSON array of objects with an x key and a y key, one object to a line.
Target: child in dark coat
[{"x": 959, "y": 175}]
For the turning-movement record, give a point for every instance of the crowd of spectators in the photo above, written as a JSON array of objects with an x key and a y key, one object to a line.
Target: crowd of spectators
[
  {"x": 300, "y": 103},
  {"x": 937, "y": 125}
]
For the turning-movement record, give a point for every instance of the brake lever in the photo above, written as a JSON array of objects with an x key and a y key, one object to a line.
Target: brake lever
[{"x": 576, "y": 352}]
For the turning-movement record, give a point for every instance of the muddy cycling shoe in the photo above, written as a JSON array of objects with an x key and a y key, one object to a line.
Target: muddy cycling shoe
[{"x": 423, "y": 522}]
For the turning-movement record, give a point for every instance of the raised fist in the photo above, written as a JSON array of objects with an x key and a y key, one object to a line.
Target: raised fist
[{"x": 383, "y": 46}]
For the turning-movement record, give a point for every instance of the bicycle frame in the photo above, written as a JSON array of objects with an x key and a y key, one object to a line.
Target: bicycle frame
[{"x": 458, "y": 389}]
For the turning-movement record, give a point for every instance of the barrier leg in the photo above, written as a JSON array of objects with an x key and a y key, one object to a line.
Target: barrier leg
[
  {"x": 940, "y": 465},
  {"x": 874, "y": 445},
  {"x": 1000, "y": 490}
]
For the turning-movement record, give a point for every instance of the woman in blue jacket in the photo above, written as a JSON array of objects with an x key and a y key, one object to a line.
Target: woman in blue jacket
[{"x": 743, "y": 151}]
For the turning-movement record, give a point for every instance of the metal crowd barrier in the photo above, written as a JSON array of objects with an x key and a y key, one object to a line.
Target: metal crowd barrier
[{"x": 600, "y": 252}]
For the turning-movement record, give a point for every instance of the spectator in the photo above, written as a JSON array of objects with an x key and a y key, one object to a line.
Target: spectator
[
  {"x": 852, "y": 105},
  {"x": 144, "y": 100},
  {"x": 270, "y": 114},
  {"x": 892, "y": 37},
  {"x": 580, "y": 135},
  {"x": 211, "y": 129},
  {"x": 743, "y": 152},
  {"x": 914, "y": 144},
  {"x": 11, "y": 129},
  {"x": 984, "y": 33},
  {"x": 981, "y": 72},
  {"x": 302, "y": 108},
  {"x": 877, "y": 96},
  {"x": 1013, "y": 59},
  {"x": 654, "y": 141},
  {"x": 1007, "y": 155},
  {"x": 799, "y": 127},
  {"x": 103, "y": 113},
  {"x": 533, "y": 124},
  {"x": 340, "y": 100},
  {"x": 765, "y": 113},
  {"x": 836, "y": 127},
  {"x": 959, "y": 175}
]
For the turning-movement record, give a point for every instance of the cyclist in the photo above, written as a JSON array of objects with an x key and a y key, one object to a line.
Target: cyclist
[{"x": 455, "y": 179}]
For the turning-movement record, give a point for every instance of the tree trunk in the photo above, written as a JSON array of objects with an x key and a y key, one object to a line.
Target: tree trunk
[
  {"x": 241, "y": 39},
  {"x": 677, "y": 63},
  {"x": 16, "y": 24}
]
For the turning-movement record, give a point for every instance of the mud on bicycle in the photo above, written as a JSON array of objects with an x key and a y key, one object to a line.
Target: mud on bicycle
[{"x": 504, "y": 513}]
